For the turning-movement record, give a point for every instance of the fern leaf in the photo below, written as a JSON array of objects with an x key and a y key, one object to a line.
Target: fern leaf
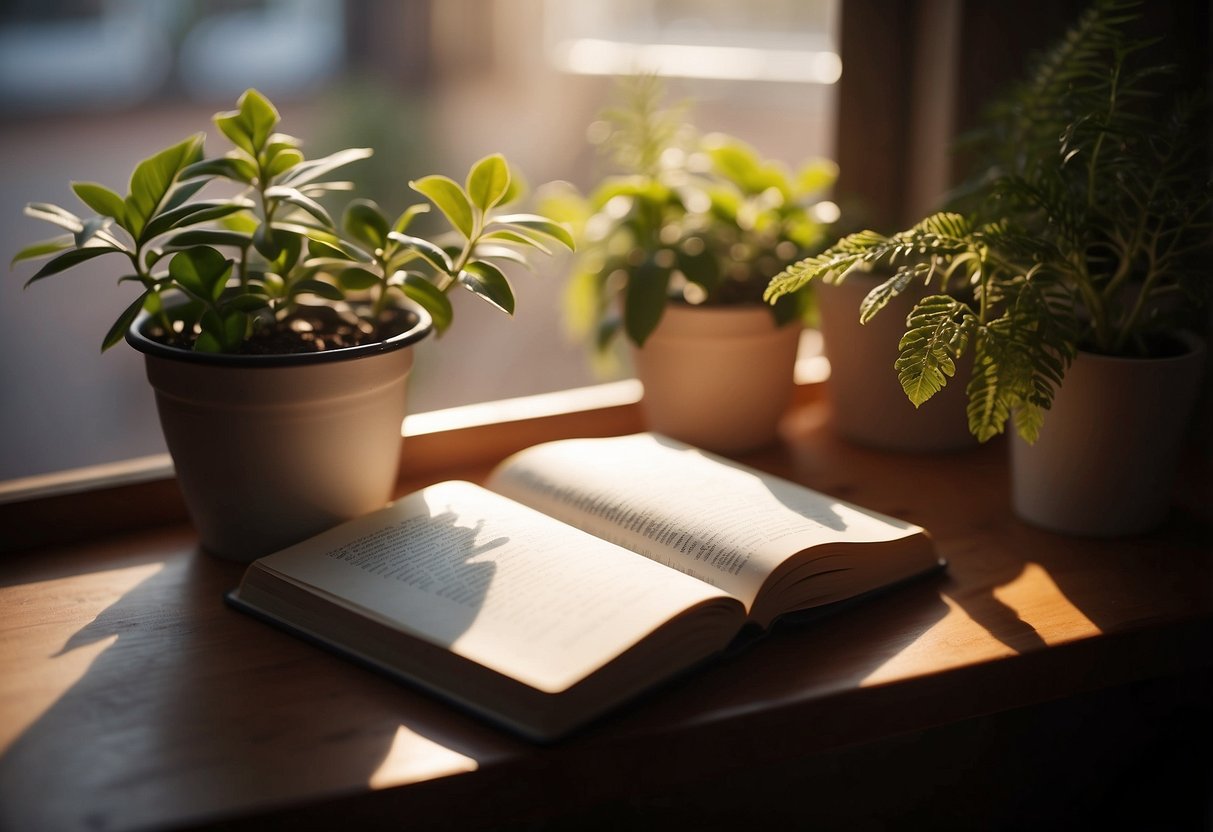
[{"x": 936, "y": 335}]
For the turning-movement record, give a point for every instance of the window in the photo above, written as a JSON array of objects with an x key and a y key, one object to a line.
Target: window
[{"x": 430, "y": 84}]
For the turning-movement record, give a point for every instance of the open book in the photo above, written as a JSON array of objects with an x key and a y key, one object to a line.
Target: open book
[{"x": 592, "y": 570}]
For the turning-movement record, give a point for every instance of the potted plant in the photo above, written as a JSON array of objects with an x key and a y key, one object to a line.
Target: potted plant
[
  {"x": 277, "y": 341},
  {"x": 1085, "y": 251},
  {"x": 674, "y": 253}
]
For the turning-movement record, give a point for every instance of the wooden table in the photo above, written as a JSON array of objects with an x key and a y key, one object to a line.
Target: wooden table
[{"x": 1042, "y": 680}]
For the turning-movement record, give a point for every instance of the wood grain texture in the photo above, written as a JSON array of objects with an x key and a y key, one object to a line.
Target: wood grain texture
[{"x": 132, "y": 698}]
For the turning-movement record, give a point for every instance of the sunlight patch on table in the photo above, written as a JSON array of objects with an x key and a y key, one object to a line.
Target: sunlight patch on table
[
  {"x": 38, "y": 620},
  {"x": 413, "y": 758}
]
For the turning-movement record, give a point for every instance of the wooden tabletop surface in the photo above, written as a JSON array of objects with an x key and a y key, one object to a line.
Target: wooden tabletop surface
[{"x": 132, "y": 698}]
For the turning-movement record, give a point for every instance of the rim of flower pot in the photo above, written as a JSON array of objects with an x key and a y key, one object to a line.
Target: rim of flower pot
[{"x": 421, "y": 326}]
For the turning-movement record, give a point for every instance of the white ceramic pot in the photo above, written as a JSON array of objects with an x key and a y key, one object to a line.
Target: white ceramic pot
[
  {"x": 1105, "y": 462},
  {"x": 271, "y": 449},
  {"x": 869, "y": 406},
  {"x": 719, "y": 378}
]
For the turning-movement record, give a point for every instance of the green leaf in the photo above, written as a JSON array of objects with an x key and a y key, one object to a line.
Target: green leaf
[
  {"x": 429, "y": 297},
  {"x": 364, "y": 222},
  {"x": 432, "y": 253},
  {"x": 55, "y": 215},
  {"x": 487, "y": 281},
  {"x": 816, "y": 176},
  {"x": 450, "y": 199},
  {"x": 315, "y": 168},
  {"x": 937, "y": 331},
  {"x": 232, "y": 125},
  {"x": 259, "y": 116},
  {"x": 229, "y": 167},
  {"x": 90, "y": 228},
  {"x": 508, "y": 236},
  {"x": 201, "y": 271},
  {"x": 644, "y": 301},
  {"x": 488, "y": 181},
  {"x": 294, "y": 196},
  {"x": 101, "y": 199},
  {"x": 118, "y": 330},
  {"x": 533, "y": 222},
  {"x": 207, "y": 237},
  {"x": 283, "y": 161},
  {"x": 879, "y": 297},
  {"x": 191, "y": 214},
  {"x": 154, "y": 177},
  {"x": 266, "y": 243},
  {"x": 406, "y": 219},
  {"x": 357, "y": 279},
  {"x": 181, "y": 192},
  {"x": 317, "y": 287},
  {"x": 69, "y": 259},
  {"x": 43, "y": 248}
]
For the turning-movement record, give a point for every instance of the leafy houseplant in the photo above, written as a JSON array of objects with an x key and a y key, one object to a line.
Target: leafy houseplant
[
  {"x": 1085, "y": 234},
  {"x": 689, "y": 224},
  {"x": 257, "y": 313}
]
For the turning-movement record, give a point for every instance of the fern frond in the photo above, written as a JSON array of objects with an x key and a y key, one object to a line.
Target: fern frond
[{"x": 937, "y": 333}]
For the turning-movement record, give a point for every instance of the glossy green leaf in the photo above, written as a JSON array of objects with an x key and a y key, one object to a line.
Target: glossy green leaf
[
  {"x": 487, "y": 281},
  {"x": 101, "y": 199},
  {"x": 406, "y": 219},
  {"x": 488, "y": 181},
  {"x": 202, "y": 271},
  {"x": 259, "y": 116},
  {"x": 68, "y": 259},
  {"x": 181, "y": 192},
  {"x": 358, "y": 279},
  {"x": 89, "y": 229},
  {"x": 317, "y": 287},
  {"x": 283, "y": 161},
  {"x": 542, "y": 225},
  {"x": 191, "y": 214},
  {"x": 293, "y": 196},
  {"x": 232, "y": 125},
  {"x": 450, "y": 199},
  {"x": 364, "y": 221},
  {"x": 55, "y": 215},
  {"x": 430, "y": 298},
  {"x": 315, "y": 168},
  {"x": 154, "y": 177},
  {"x": 118, "y": 330},
  {"x": 645, "y": 300},
  {"x": 265, "y": 242},
  {"x": 207, "y": 237},
  {"x": 229, "y": 167},
  {"x": 509, "y": 236},
  {"x": 43, "y": 248},
  {"x": 435, "y": 255}
]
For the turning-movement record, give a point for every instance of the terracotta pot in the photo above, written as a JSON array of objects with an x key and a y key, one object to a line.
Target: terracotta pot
[
  {"x": 869, "y": 406},
  {"x": 1105, "y": 462},
  {"x": 271, "y": 449},
  {"x": 719, "y": 378}
]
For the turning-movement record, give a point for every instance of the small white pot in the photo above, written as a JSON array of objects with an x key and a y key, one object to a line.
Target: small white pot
[
  {"x": 1105, "y": 461},
  {"x": 719, "y": 378},
  {"x": 271, "y": 449},
  {"x": 869, "y": 406}
]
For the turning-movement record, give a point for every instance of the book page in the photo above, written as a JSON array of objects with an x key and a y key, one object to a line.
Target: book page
[
  {"x": 493, "y": 581},
  {"x": 723, "y": 523}
]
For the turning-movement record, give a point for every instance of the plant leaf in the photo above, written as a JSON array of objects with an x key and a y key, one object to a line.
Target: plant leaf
[
  {"x": 201, "y": 271},
  {"x": 154, "y": 177},
  {"x": 315, "y": 168},
  {"x": 429, "y": 297},
  {"x": 55, "y": 215},
  {"x": 317, "y": 287},
  {"x": 406, "y": 219},
  {"x": 101, "y": 199},
  {"x": 937, "y": 332},
  {"x": 534, "y": 222},
  {"x": 365, "y": 222},
  {"x": 229, "y": 167},
  {"x": 294, "y": 196},
  {"x": 879, "y": 297},
  {"x": 435, "y": 255},
  {"x": 358, "y": 279},
  {"x": 509, "y": 236},
  {"x": 450, "y": 199},
  {"x": 118, "y": 329},
  {"x": 71, "y": 258},
  {"x": 488, "y": 282},
  {"x": 644, "y": 301},
  {"x": 207, "y": 237},
  {"x": 488, "y": 181},
  {"x": 42, "y": 249},
  {"x": 191, "y": 214}
]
